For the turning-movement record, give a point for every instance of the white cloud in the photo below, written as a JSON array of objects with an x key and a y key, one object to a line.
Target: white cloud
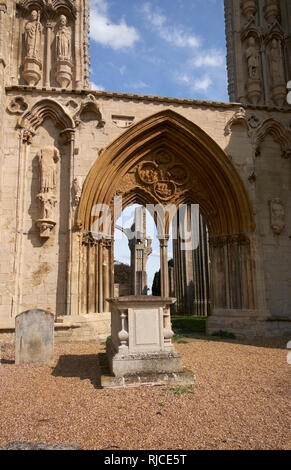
[
  {"x": 137, "y": 85},
  {"x": 211, "y": 58},
  {"x": 97, "y": 87},
  {"x": 107, "y": 33},
  {"x": 172, "y": 34},
  {"x": 202, "y": 84}
]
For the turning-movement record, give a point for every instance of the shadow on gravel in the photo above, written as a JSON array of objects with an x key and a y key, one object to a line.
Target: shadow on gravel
[
  {"x": 87, "y": 366},
  {"x": 261, "y": 342}
]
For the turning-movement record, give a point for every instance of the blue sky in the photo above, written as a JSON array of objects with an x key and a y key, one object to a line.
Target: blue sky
[{"x": 160, "y": 47}]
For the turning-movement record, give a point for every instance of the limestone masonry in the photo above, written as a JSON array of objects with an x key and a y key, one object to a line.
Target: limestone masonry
[{"x": 65, "y": 148}]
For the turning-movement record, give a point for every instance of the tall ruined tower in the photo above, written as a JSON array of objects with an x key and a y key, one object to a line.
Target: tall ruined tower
[{"x": 258, "y": 36}]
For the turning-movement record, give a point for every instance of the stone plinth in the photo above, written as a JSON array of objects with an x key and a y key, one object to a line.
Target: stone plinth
[
  {"x": 140, "y": 350},
  {"x": 34, "y": 337}
]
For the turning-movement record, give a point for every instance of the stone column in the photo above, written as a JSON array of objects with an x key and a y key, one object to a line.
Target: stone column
[
  {"x": 48, "y": 54},
  {"x": 164, "y": 266}
]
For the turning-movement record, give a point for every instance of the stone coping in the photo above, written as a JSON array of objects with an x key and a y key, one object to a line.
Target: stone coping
[
  {"x": 138, "y": 300},
  {"x": 149, "y": 98}
]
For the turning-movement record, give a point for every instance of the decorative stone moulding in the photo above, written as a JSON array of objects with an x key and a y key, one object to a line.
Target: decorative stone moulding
[
  {"x": 271, "y": 11},
  {"x": 32, "y": 71},
  {"x": 64, "y": 72},
  {"x": 254, "y": 90},
  {"x": 249, "y": 7}
]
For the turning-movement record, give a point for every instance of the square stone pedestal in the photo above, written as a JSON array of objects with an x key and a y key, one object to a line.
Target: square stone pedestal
[{"x": 140, "y": 350}]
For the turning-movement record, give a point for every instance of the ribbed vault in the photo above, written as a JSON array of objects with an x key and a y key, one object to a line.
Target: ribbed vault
[{"x": 169, "y": 160}]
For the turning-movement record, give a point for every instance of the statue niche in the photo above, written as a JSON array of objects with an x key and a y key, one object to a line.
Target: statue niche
[
  {"x": 64, "y": 53},
  {"x": 277, "y": 73},
  {"x": 48, "y": 158},
  {"x": 32, "y": 65},
  {"x": 254, "y": 71}
]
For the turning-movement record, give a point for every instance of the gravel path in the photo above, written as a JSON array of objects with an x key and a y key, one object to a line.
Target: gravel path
[{"x": 241, "y": 400}]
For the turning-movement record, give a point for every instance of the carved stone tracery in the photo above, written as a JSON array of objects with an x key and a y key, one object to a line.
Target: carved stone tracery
[{"x": 277, "y": 215}]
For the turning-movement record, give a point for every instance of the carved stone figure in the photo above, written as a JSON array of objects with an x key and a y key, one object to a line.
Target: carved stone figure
[
  {"x": 64, "y": 40},
  {"x": 253, "y": 59},
  {"x": 33, "y": 31},
  {"x": 64, "y": 53},
  {"x": 48, "y": 157},
  {"x": 77, "y": 187},
  {"x": 276, "y": 63},
  {"x": 32, "y": 62},
  {"x": 277, "y": 214}
]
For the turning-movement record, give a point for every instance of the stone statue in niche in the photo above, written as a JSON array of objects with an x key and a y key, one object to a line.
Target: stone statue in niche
[
  {"x": 32, "y": 62},
  {"x": 48, "y": 158},
  {"x": 277, "y": 215},
  {"x": 33, "y": 31},
  {"x": 254, "y": 71},
  {"x": 253, "y": 59},
  {"x": 64, "y": 53},
  {"x": 64, "y": 39},
  {"x": 277, "y": 73},
  {"x": 276, "y": 63}
]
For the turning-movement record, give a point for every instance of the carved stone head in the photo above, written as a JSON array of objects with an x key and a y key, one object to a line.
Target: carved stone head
[
  {"x": 34, "y": 15},
  {"x": 63, "y": 20}
]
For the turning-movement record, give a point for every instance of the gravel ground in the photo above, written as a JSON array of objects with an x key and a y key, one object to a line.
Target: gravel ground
[{"x": 241, "y": 400}]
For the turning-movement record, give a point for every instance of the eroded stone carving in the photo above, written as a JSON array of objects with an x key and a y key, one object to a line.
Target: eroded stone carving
[
  {"x": 271, "y": 11},
  {"x": 254, "y": 71},
  {"x": 48, "y": 158},
  {"x": 32, "y": 63},
  {"x": 64, "y": 53},
  {"x": 249, "y": 7},
  {"x": 122, "y": 121},
  {"x": 277, "y": 215},
  {"x": 77, "y": 189},
  {"x": 277, "y": 73}
]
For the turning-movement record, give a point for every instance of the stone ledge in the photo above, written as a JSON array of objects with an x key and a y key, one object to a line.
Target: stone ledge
[{"x": 186, "y": 377}]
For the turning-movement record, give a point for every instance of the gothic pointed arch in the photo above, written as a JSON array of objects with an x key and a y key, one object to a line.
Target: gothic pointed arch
[
  {"x": 45, "y": 109},
  {"x": 165, "y": 158},
  {"x": 278, "y": 131}
]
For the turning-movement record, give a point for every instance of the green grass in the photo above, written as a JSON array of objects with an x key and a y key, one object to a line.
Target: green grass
[
  {"x": 188, "y": 324},
  {"x": 180, "y": 390}
]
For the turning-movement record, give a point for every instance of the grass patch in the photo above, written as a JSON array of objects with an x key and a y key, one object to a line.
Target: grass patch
[
  {"x": 188, "y": 324},
  {"x": 180, "y": 390},
  {"x": 224, "y": 334}
]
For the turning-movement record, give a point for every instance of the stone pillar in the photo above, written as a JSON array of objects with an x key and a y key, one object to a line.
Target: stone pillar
[
  {"x": 48, "y": 58},
  {"x": 164, "y": 266}
]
